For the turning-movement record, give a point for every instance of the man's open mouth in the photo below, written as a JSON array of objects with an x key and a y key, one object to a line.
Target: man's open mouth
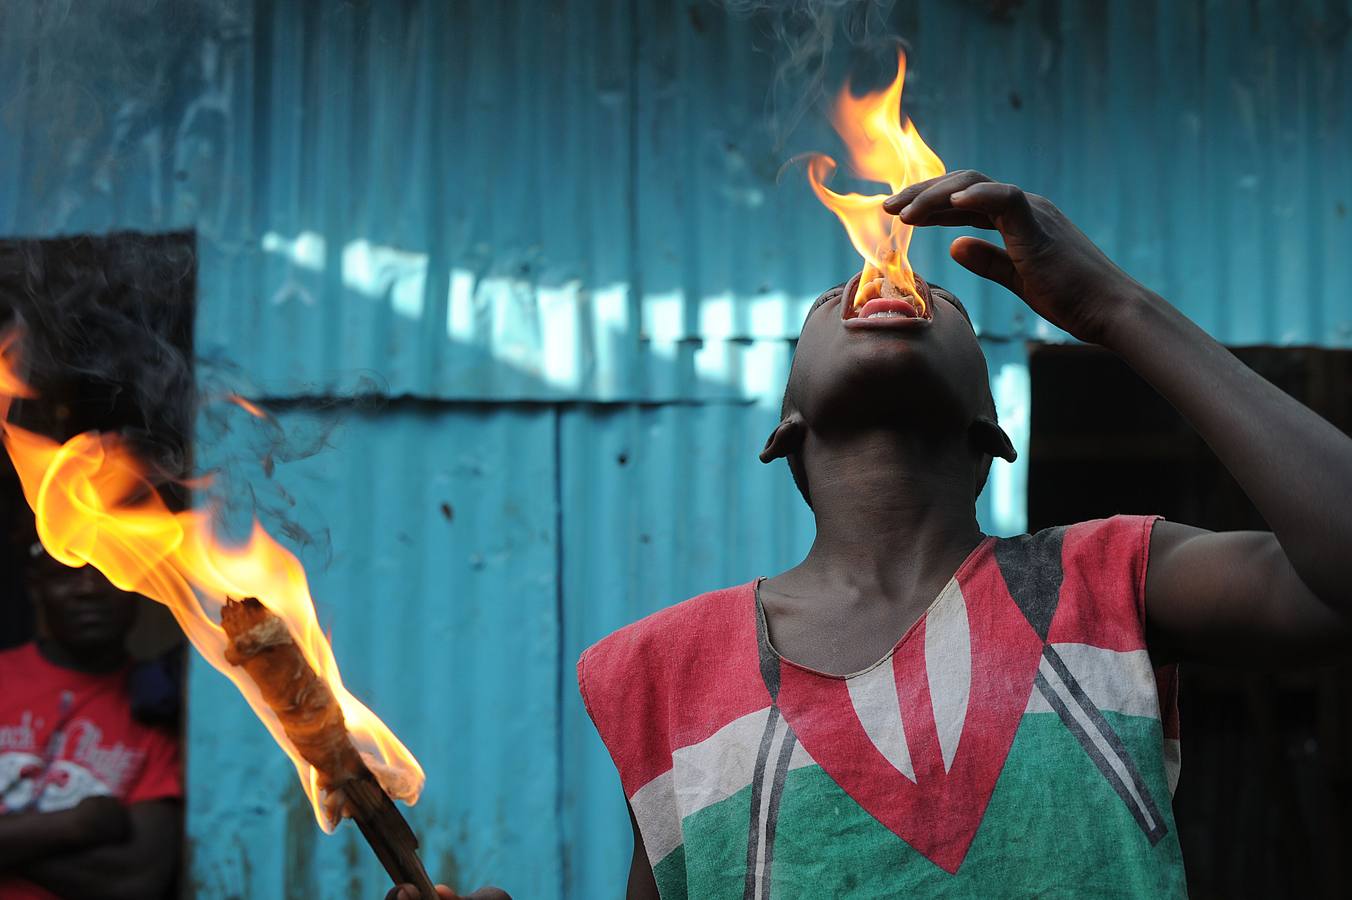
[
  {"x": 887, "y": 309},
  {"x": 894, "y": 308}
]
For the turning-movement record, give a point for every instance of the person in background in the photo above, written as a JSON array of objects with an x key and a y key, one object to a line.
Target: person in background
[{"x": 89, "y": 796}]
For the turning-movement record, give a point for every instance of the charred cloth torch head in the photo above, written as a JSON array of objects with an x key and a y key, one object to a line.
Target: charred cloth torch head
[{"x": 312, "y": 719}]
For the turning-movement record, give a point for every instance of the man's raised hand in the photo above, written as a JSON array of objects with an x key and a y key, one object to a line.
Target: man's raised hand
[{"x": 1048, "y": 262}]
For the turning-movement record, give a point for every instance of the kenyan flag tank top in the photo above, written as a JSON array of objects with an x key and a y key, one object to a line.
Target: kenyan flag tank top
[{"x": 1016, "y": 742}]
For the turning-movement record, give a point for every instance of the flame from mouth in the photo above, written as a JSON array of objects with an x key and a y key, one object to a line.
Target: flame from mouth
[
  {"x": 95, "y": 504},
  {"x": 885, "y": 147}
]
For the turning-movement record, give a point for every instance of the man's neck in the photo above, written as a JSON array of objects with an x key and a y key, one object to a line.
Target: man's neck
[
  {"x": 895, "y": 513},
  {"x": 95, "y": 661}
]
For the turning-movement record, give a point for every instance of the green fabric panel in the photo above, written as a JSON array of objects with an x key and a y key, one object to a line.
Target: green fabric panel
[
  {"x": 670, "y": 875},
  {"x": 715, "y": 840},
  {"x": 1054, "y": 828}
]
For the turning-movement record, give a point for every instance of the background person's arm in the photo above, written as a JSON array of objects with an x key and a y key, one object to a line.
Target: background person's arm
[
  {"x": 1250, "y": 597},
  {"x": 28, "y": 836},
  {"x": 140, "y": 867}
]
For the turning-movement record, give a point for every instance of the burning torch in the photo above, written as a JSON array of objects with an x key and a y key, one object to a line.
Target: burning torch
[
  {"x": 247, "y": 609},
  {"x": 884, "y": 146}
]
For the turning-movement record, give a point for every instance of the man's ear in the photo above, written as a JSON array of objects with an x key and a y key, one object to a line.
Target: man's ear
[
  {"x": 785, "y": 439},
  {"x": 988, "y": 437}
]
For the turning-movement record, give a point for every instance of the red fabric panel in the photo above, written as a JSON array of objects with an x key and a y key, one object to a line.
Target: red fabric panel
[
  {"x": 101, "y": 748},
  {"x": 161, "y": 777},
  {"x": 940, "y": 812},
  {"x": 673, "y": 679},
  {"x": 1103, "y": 589},
  {"x": 917, "y": 708}
]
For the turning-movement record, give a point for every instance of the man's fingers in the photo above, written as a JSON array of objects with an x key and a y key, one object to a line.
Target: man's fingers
[
  {"x": 958, "y": 218},
  {"x": 1006, "y": 204},
  {"x": 924, "y": 198},
  {"x": 987, "y": 260},
  {"x": 483, "y": 893},
  {"x": 935, "y": 198},
  {"x": 897, "y": 202}
]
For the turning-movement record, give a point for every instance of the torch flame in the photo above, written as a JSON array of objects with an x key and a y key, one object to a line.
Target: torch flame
[
  {"x": 94, "y": 505},
  {"x": 248, "y": 406},
  {"x": 884, "y": 146}
]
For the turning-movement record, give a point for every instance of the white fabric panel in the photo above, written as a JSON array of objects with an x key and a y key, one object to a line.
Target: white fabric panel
[
  {"x": 1100, "y": 743},
  {"x": 874, "y": 696},
  {"x": 762, "y": 814},
  {"x": 718, "y": 766},
  {"x": 948, "y": 663},
  {"x": 1116, "y": 681},
  {"x": 654, "y": 806}
]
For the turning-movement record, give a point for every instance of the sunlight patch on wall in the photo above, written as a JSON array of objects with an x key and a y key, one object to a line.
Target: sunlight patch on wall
[
  {"x": 575, "y": 340},
  {"x": 1009, "y": 481}
]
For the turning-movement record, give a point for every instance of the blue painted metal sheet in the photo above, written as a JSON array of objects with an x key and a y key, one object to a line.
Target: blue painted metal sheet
[
  {"x": 516, "y": 201},
  {"x": 434, "y": 567}
]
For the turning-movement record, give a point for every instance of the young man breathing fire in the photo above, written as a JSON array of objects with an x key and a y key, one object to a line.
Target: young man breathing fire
[{"x": 920, "y": 709}]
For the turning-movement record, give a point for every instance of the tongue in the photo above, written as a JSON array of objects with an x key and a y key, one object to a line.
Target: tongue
[{"x": 887, "y": 304}]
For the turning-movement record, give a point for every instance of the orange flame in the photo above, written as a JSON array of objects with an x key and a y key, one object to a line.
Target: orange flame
[
  {"x": 884, "y": 146},
  {"x": 94, "y": 505},
  {"x": 248, "y": 406}
]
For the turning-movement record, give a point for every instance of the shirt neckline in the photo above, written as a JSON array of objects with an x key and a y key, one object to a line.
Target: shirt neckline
[{"x": 767, "y": 646}]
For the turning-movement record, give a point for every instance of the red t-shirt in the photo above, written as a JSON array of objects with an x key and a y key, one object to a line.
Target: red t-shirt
[{"x": 67, "y": 735}]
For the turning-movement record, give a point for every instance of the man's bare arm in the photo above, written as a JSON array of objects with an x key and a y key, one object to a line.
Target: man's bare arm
[
  {"x": 142, "y": 866},
  {"x": 1234, "y": 597},
  {"x": 642, "y": 882},
  {"x": 1248, "y": 596}
]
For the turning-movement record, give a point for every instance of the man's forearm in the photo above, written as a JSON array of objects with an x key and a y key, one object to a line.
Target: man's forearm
[
  {"x": 32, "y": 835},
  {"x": 142, "y": 866},
  {"x": 103, "y": 873},
  {"x": 1293, "y": 465}
]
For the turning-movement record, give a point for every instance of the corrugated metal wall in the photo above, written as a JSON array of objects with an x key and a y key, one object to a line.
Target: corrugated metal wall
[{"x": 555, "y": 237}]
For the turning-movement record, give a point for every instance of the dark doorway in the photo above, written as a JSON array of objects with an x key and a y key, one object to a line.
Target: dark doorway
[
  {"x": 108, "y": 324},
  {"x": 1263, "y": 802},
  {"x": 106, "y": 331}
]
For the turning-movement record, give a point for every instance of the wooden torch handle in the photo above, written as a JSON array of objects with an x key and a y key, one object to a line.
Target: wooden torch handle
[{"x": 388, "y": 833}]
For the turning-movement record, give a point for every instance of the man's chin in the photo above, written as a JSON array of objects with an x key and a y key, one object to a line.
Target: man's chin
[{"x": 911, "y": 398}]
